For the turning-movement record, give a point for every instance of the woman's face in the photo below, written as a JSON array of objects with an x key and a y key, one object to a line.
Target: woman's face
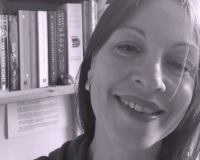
[{"x": 139, "y": 92}]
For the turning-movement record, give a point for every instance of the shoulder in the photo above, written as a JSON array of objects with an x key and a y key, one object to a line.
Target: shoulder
[
  {"x": 57, "y": 154},
  {"x": 77, "y": 149},
  {"x": 71, "y": 150}
]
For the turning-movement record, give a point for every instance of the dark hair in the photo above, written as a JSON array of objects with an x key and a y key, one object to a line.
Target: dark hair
[
  {"x": 183, "y": 142},
  {"x": 106, "y": 25}
]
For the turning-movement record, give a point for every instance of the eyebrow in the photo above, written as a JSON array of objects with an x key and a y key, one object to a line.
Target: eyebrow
[
  {"x": 141, "y": 32},
  {"x": 184, "y": 44}
]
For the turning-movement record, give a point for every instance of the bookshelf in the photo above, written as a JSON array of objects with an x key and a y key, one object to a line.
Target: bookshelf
[
  {"x": 11, "y": 6},
  {"x": 40, "y": 144},
  {"x": 17, "y": 96}
]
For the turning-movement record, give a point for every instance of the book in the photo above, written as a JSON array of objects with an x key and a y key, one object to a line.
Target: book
[
  {"x": 24, "y": 50},
  {"x": 102, "y": 5},
  {"x": 4, "y": 52},
  {"x": 61, "y": 45},
  {"x": 52, "y": 48},
  {"x": 74, "y": 37},
  {"x": 13, "y": 50},
  {"x": 34, "y": 49},
  {"x": 86, "y": 29},
  {"x": 43, "y": 49},
  {"x": 93, "y": 16}
]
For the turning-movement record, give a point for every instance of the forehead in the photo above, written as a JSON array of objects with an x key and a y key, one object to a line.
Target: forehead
[
  {"x": 161, "y": 19},
  {"x": 158, "y": 12}
]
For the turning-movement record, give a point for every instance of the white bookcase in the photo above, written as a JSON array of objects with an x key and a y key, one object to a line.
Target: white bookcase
[{"x": 33, "y": 146}]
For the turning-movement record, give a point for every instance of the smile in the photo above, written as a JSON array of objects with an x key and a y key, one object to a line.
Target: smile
[{"x": 139, "y": 108}]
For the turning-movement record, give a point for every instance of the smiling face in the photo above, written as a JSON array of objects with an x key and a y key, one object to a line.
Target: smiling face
[{"x": 139, "y": 92}]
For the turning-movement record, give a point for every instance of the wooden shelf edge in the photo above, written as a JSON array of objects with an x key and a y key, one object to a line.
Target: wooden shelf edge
[{"x": 23, "y": 95}]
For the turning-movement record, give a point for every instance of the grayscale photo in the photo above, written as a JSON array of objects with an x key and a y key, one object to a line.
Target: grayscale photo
[{"x": 99, "y": 79}]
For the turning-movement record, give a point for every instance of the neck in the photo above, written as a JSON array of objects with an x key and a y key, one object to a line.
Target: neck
[{"x": 102, "y": 147}]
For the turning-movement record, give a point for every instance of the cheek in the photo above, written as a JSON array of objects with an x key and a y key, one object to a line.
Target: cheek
[
  {"x": 179, "y": 104},
  {"x": 108, "y": 71},
  {"x": 183, "y": 96}
]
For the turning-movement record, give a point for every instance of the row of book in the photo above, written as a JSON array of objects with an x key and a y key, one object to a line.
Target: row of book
[{"x": 44, "y": 48}]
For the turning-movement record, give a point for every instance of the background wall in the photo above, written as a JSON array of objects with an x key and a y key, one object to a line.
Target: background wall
[{"x": 33, "y": 146}]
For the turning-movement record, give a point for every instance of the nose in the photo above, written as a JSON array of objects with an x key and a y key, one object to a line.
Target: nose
[{"x": 150, "y": 78}]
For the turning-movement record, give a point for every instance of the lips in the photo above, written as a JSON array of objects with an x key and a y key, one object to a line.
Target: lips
[{"x": 141, "y": 106}]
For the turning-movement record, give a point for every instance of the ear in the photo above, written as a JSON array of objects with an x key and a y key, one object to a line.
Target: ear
[
  {"x": 90, "y": 73},
  {"x": 92, "y": 66}
]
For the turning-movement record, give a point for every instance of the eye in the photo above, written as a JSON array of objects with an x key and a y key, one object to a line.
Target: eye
[
  {"x": 128, "y": 49},
  {"x": 181, "y": 67}
]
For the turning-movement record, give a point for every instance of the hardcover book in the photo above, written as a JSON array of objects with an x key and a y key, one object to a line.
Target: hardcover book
[
  {"x": 61, "y": 45},
  {"x": 102, "y": 5},
  {"x": 13, "y": 53},
  {"x": 4, "y": 52},
  {"x": 34, "y": 49},
  {"x": 43, "y": 49},
  {"x": 52, "y": 48},
  {"x": 74, "y": 37},
  {"x": 86, "y": 29},
  {"x": 93, "y": 13},
  {"x": 24, "y": 49}
]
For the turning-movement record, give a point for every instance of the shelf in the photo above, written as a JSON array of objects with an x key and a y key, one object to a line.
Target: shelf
[
  {"x": 14, "y": 5},
  {"x": 17, "y": 96}
]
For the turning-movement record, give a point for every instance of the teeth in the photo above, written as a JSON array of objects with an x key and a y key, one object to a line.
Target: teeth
[
  {"x": 147, "y": 111},
  {"x": 138, "y": 107},
  {"x": 126, "y": 102},
  {"x": 131, "y": 105}
]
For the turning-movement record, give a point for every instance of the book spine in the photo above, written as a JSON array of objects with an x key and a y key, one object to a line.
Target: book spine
[
  {"x": 34, "y": 49},
  {"x": 13, "y": 53},
  {"x": 43, "y": 49},
  {"x": 86, "y": 31},
  {"x": 52, "y": 48},
  {"x": 93, "y": 19},
  {"x": 4, "y": 52},
  {"x": 61, "y": 45},
  {"x": 75, "y": 39},
  {"x": 102, "y": 5},
  {"x": 24, "y": 50}
]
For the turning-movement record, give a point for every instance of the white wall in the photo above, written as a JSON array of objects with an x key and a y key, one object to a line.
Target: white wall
[{"x": 33, "y": 146}]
